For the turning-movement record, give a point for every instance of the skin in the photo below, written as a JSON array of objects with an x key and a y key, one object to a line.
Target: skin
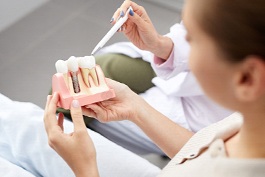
[{"x": 238, "y": 86}]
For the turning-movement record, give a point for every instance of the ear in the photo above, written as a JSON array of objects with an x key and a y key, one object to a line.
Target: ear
[{"x": 250, "y": 79}]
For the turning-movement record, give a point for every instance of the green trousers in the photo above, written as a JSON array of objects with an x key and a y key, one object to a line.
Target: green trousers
[{"x": 134, "y": 72}]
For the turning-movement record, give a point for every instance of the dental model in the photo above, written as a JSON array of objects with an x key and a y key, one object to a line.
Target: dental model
[
  {"x": 81, "y": 79},
  {"x": 61, "y": 67},
  {"x": 73, "y": 68},
  {"x": 87, "y": 66}
]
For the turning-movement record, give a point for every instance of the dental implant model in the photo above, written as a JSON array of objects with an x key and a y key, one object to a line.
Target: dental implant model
[
  {"x": 81, "y": 79},
  {"x": 73, "y": 68}
]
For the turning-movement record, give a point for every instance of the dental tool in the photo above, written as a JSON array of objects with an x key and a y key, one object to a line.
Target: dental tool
[
  {"x": 73, "y": 68},
  {"x": 111, "y": 32},
  {"x": 61, "y": 67}
]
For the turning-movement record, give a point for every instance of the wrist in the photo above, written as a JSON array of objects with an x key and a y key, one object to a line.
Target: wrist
[
  {"x": 89, "y": 170},
  {"x": 141, "y": 112},
  {"x": 163, "y": 47}
]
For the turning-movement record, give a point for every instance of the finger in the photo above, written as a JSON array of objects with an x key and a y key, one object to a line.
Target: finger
[
  {"x": 45, "y": 118},
  {"x": 52, "y": 105},
  {"x": 50, "y": 112},
  {"x": 120, "y": 12},
  {"x": 116, "y": 86},
  {"x": 135, "y": 16},
  {"x": 96, "y": 109},
  {"x": 111, "y": 83},
  {"x": 115, "y": 16},
  {"x": 61, "y": 120},
  {"x": 49, "y": 97},
  {"x": 137, "y": 8},
  {"x": 124, "y": 7},
  {"x": 77, "y": 116},
  {"x": 123, "y": 27},
  {"x": 88, "y": 112}
]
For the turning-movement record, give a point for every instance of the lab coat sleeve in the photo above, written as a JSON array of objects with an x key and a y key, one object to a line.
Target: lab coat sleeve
[
  {"x": 178, "y": 59},
  {"x": 174, "y": 77}
]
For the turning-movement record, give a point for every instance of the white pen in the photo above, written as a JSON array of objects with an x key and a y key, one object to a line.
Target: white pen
[{"x": 112, "y": 31}]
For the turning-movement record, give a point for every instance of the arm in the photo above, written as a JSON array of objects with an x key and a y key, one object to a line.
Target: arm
[
  {"x": 127, "y": 105},
  {"x": 168, "y": 136},
  {"x": 76, "y": 148}
]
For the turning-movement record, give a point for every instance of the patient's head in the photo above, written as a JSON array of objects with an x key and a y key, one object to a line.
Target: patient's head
[{"x": 227, "y": 56}]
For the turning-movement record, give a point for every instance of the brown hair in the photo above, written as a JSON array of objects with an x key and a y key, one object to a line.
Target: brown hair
[{"x": 237, "y": 25}]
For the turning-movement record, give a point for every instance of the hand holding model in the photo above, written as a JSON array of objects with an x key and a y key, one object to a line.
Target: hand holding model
[
  {"x": 141, "y": 32},
  {"x": 118, "y": 108},
  {"x": 83, "y": 160}
]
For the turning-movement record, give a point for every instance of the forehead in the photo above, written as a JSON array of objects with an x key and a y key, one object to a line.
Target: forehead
[
  {"x": 187, "y": 14},
  {"x": 192, "y": 16}
]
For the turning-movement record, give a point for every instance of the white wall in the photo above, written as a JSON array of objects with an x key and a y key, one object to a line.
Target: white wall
[{"x": 13, "y": 10}]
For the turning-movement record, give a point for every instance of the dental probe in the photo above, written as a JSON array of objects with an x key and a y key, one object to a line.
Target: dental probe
[{"x": 111, "y": 32}]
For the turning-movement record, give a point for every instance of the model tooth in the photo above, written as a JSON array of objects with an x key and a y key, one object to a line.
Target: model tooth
[
  {"x": 84, "y": 67},
  {"x": 61, "y": 67},
  {"x": 73, "y": 67},
  {"x": 72, "y": 64},
  {"x": 92, "y": 68}
]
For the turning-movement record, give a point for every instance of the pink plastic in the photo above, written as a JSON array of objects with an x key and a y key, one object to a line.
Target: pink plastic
[{"x": 87, "y": 95}]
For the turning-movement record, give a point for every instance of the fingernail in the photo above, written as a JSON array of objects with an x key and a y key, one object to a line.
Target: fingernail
[
  {"x": 75, "y": 104},
  {"x": 121, "y": 14},
  {"x": 111, "y": 20},
  {"x": 131, "y": 12}
]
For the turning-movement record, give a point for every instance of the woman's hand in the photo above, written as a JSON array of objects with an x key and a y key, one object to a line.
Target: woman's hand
[
  {"x": 141, "y": 32},
  {"x": 76, "y": 148},
  {"x": 124, "y": 106}
]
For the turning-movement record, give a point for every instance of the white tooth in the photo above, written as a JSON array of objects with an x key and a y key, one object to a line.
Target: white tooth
[
  {"x": 91, "y": 65},
  {"x": 61, "y": 67},
  {"x": 72, "y": 64},
  {"x": 83, "y": 65},
  {"x": 91, "y": 61},
  {"x": 73, "y": 67}
]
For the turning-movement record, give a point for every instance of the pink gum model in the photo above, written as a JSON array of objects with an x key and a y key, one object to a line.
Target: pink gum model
[{"x": 87, "y": 95}]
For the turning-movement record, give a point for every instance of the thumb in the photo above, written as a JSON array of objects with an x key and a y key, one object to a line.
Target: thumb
[{"x": 77, "y": 116}]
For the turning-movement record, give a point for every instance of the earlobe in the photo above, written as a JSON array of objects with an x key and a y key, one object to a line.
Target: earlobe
[{"x": 250, "y": 79}]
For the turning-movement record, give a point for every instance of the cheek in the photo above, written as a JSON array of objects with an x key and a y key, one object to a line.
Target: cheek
[
  {"x": 196, "y": 64},
  {"x": 203, "y": 69}
]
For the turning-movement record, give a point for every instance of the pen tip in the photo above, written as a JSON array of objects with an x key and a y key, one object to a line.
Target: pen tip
[{"x": 95, "y": 51}]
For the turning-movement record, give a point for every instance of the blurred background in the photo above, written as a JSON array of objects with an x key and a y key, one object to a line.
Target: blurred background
[{"x": 34, "y": 34}]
